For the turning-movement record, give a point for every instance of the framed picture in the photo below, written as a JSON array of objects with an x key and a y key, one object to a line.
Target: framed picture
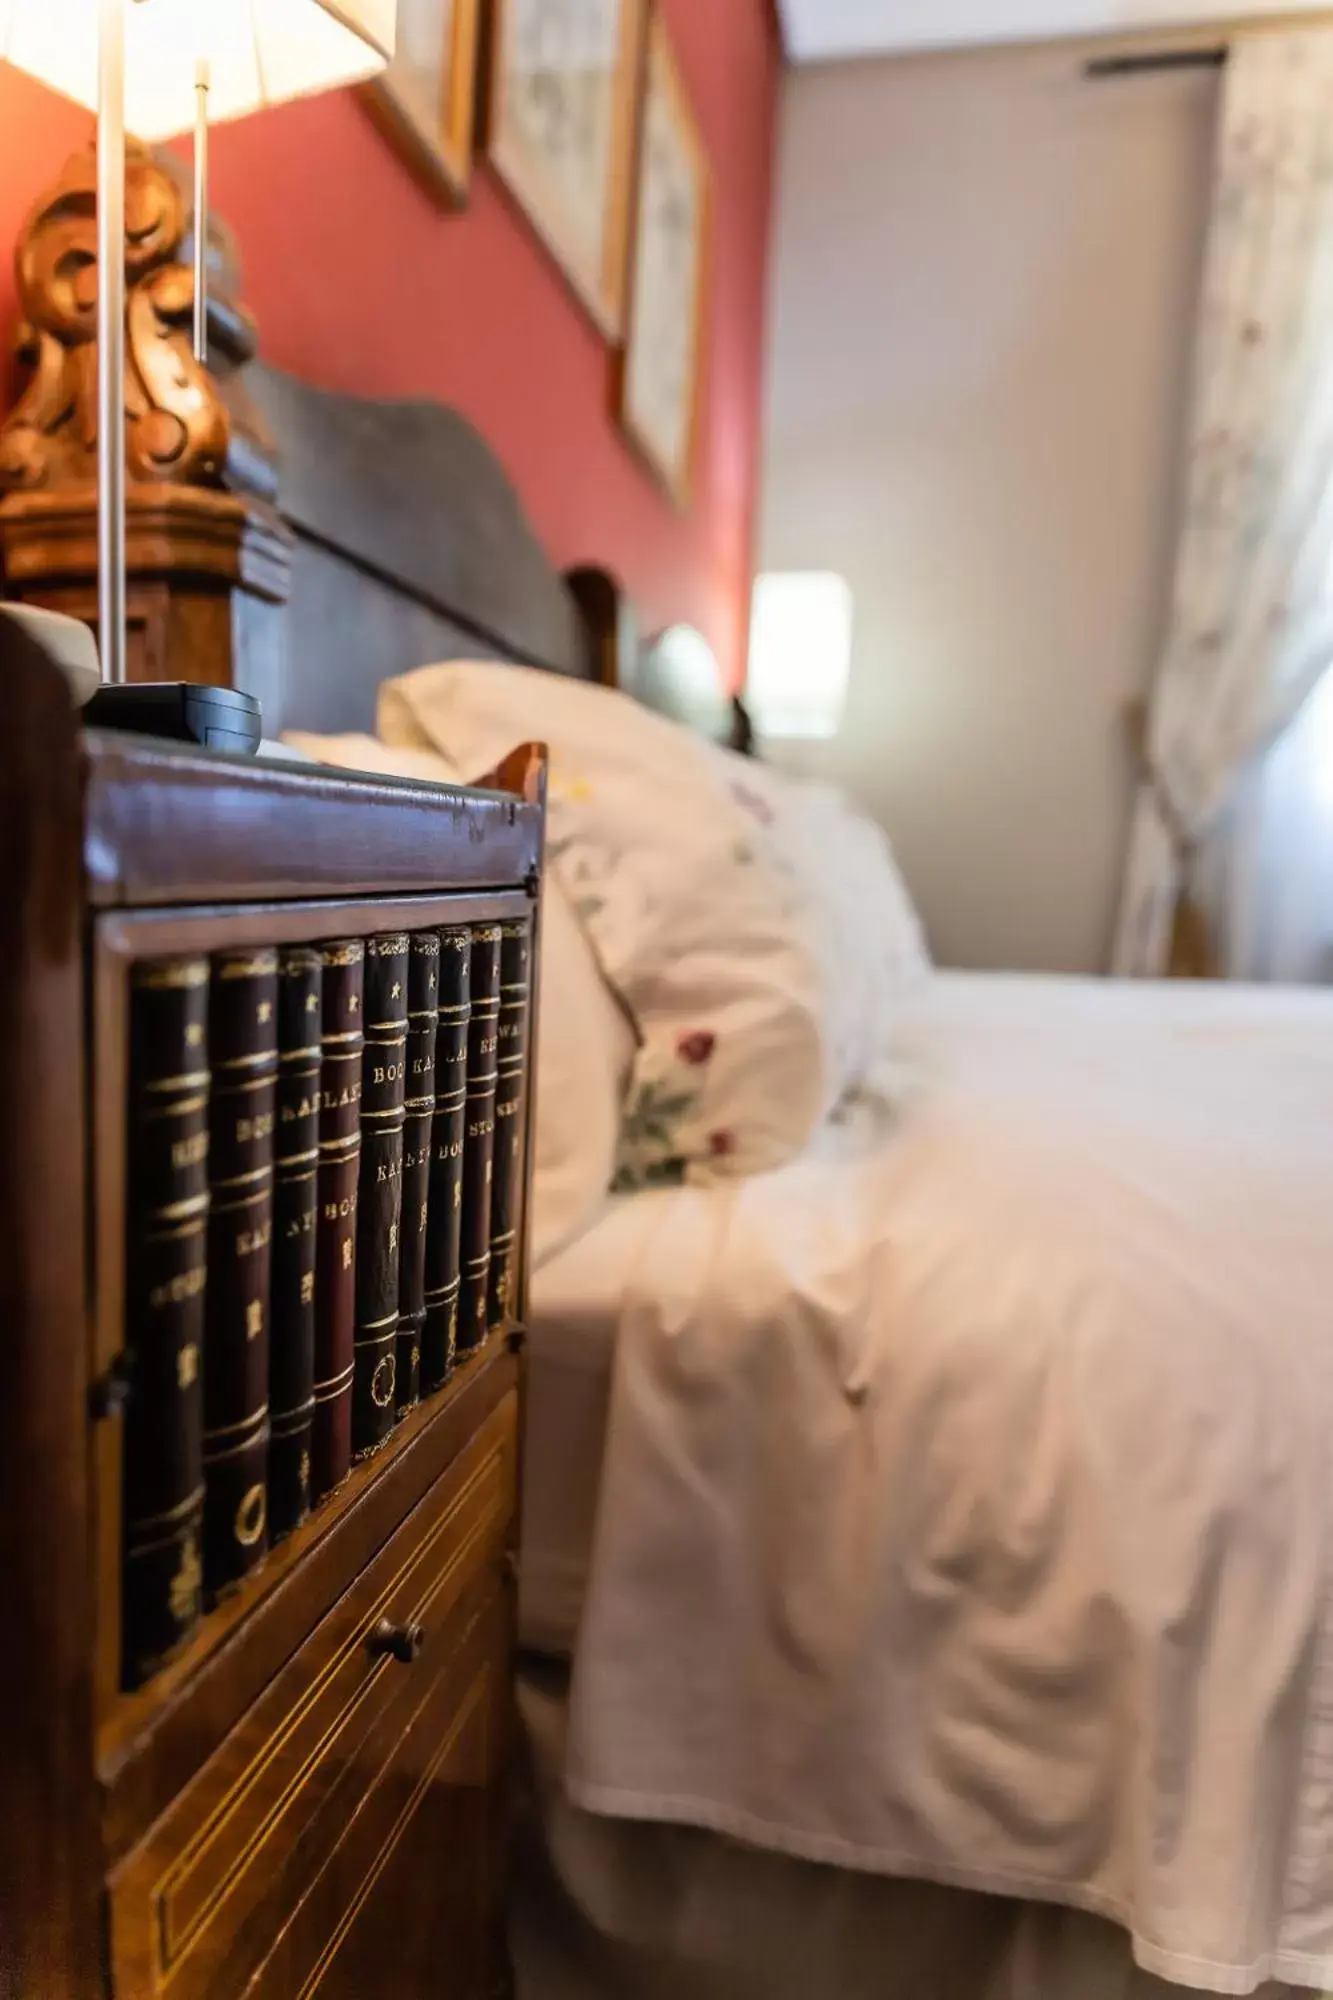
[
  {"x": 425, "y": 101},
  {"x": 563, "y": 96},
  {"x": 662, "y": 365}
]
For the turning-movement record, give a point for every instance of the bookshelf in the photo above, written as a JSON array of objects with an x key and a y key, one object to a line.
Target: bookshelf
[{"x": 305, "y": 1792}]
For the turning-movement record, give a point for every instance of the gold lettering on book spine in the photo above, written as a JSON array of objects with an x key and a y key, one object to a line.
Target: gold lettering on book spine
[{"x": 186, "y": 1583}]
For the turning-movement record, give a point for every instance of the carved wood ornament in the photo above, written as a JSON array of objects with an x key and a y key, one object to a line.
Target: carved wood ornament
[
  {"x": 208, "y": 559},
  {"x": 182, "y": 425}
]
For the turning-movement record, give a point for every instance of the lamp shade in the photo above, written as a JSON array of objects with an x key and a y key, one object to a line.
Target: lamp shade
[{"x": 258, "y": 52}]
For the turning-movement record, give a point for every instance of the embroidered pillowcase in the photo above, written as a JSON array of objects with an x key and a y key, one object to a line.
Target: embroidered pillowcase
[
  {"x": 872, "y": 941},
  {"x": 585, "y": 1045},
  {"x": 697, "y": 915}
]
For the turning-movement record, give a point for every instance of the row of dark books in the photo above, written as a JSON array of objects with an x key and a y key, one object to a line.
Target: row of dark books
[{"x": 324, "y": 1188}]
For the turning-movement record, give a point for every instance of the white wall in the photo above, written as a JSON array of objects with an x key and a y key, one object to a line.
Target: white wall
[{"x": 985, "y": 278}]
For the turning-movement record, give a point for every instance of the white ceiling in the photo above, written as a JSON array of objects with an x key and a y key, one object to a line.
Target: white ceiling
[{"x": 822, "y": 30}]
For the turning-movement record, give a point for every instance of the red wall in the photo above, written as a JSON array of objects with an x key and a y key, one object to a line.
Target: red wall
[{"x": 359, "y": 282}]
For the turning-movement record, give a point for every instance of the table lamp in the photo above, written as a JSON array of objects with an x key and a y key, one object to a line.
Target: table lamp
[{"x": 160, "y": 66}]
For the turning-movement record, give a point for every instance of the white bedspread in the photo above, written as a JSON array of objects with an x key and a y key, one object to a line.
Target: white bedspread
[{"x": 967, "y": 1507}]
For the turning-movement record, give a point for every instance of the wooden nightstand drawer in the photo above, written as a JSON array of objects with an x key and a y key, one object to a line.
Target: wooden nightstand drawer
[{"x": 268, "y": 1873}]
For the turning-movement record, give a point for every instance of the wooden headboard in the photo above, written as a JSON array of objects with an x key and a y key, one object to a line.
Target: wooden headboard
[{"x": 410, "y": 546}]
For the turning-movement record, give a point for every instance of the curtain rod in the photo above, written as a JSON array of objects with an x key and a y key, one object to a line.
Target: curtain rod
[{"x": 1101, "y": 68}]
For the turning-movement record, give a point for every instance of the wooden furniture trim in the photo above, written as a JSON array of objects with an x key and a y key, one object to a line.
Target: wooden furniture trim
[
  {"x": 423, "y": 1569},
  {"x": 165, "y": 824},
  {"x": 48, "y": 1837},
  {"x": 461, "y": 1700},
  {"x": 526, "y": 773},
  {"x": 203, "y": 1887},
  {"x": 131, "y": 934},
  {"x": 461, "y": 1710},
  {"x": 462, "y": 1714},
  {"x": 170, "y": 531},
  {"x": 156, "y": 1740}
]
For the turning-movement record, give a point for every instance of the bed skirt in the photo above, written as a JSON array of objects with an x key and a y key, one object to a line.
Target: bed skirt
[{"x": 606, "y": 1910}]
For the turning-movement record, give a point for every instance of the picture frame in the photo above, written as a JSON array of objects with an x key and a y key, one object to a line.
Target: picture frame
[
  {"x": 660, "y": 371},
  {"x": 562, "y": 108},
  {"x": 425, "y": 101}
]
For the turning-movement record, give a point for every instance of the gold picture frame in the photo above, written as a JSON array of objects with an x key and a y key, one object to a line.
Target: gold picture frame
[
  {"x": 660, "y": 372},
  {"x": 425, "y": 102},
  {"x": 561, "y": 112}
]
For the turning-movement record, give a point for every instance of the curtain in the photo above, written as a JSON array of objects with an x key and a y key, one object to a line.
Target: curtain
[
  {"x": 1265, "y": 881},
  {"x": 1251, "y": 625}
]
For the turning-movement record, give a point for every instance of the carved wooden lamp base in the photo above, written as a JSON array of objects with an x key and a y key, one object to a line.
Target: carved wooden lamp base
[
  {"x": 209, "y": 573},
  {"x": 208, "y": 561}
]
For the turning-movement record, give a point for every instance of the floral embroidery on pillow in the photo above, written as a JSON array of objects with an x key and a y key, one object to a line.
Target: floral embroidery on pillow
[
  {"x": 658, "y": 1107},
  {"x": 582, "y": 882}
]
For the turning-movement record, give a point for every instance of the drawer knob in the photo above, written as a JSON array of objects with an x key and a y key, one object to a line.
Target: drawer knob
[{"x": 398, "y": 1642}]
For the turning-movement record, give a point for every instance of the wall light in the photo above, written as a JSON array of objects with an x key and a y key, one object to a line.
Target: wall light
[{"x": 800, "y": 653}]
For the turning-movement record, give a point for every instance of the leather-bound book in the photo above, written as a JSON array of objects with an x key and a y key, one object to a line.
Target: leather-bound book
[
  {"x": 380, "y": 1201},
  {"x": 479, "y": 1136},
  {"x": 341, "y": 1043},
  {"x": 291, "y": 1359},
  {"x": 423, "y": 999},
  {"x": 243, "y": 1055},
  {"x": 166, "y": 1273},
  {"x": 511, "y": 1074},
  {"x": 439, "y": 1336}
]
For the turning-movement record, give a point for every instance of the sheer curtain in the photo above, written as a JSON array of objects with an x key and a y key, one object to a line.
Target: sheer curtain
[
  {"x": 1251, "y": 628},
  {"x": 1265, "y": 882}
]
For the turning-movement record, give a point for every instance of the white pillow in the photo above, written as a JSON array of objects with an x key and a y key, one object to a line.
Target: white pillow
[
  {"x": 696, "y": 914},
  {"x": 585, "y": 1045},
  {"x": 873, "y": 942}
]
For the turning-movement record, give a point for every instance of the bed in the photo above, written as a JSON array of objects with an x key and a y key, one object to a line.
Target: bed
[{"x": 1152, "y": 1168}]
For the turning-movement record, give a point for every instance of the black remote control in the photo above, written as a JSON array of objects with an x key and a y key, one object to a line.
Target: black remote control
[{"x": 217, "y": 718}]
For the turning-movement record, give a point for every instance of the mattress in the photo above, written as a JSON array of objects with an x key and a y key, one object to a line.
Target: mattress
[{"x": 965, "y": 1510}]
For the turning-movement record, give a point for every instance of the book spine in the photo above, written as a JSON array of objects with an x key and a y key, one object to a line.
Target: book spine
[
  {"x": 380, "y": 1197},
  {"x": 423, "y": 999},
  {"x": 166, "y": 1273},
  {"x": 291, "y": 1361},
  {"x": 479, "y": 1136},
  {"x": 445, "y": 1207},
  {"x": 341, "y": 1046},
  {"x": 511, "y": 1078},
  {"x": 243, "y": 1048}
]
